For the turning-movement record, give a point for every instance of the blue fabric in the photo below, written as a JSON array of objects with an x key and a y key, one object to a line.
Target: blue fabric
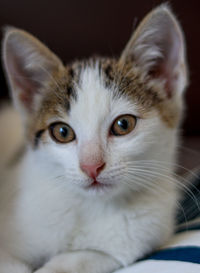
[
  {"x": 189, "y": 227},
  {"x": 182, "y": 254}
]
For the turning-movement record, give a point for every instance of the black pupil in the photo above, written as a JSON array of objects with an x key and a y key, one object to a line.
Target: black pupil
[
  {"x": 123, "y": 124},
  {"x": 64, "y": 132}
]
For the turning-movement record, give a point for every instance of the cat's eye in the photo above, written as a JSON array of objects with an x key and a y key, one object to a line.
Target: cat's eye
[
  {"x": 123, "y": 125},
  {"x": 61, "y": 132}
]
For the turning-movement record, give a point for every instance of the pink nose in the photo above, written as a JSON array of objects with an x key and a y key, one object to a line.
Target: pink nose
[{"x": 93, "y": 170}]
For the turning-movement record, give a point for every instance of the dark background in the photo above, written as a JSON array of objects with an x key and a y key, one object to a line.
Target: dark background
[{"x": 80, "y": 28}]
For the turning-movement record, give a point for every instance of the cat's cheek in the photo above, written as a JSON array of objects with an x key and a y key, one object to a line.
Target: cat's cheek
[
  {"x": 63, "y": 159},
  {"x": 63, "y": 155}
]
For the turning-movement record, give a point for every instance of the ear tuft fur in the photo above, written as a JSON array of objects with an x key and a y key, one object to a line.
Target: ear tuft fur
[
  {"x": 28, "y": 65},
  {"x": 157, "y": 48}
]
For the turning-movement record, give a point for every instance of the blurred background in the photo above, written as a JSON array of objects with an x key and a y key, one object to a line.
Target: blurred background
[{"x": 77, "y": 29}]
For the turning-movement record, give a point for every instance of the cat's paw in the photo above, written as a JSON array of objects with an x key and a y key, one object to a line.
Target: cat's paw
[
  {"x": 80, "y": 262},
  {"x": 63, "y": 264},
  {"x": 59, "y": 270},
  {"x": 49, "y": 270},
  {"x": 53, "y": 268}
]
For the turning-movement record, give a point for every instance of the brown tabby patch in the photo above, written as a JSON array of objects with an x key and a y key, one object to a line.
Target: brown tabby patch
[
  {"x": 129, "y": 81},
  {"x": 141, "y": 89}
]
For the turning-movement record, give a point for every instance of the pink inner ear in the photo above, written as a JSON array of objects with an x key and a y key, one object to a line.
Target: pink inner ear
[
  {"x": 23, "y": 81},
  {"x": 161, "y": 72},
  {"x": 166, "y": 67},
  {"x": 26, "y": 100}
]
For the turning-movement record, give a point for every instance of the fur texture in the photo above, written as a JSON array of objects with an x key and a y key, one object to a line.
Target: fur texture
[{"x": 53, "y": 216}]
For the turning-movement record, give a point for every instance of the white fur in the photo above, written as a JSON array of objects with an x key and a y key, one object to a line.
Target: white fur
[
  {"x": 45, "y": 210},
  {"x": 50, "y": 222}
]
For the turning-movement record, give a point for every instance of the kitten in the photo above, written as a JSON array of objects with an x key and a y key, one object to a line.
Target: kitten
[{"x": 93, "y": 190}]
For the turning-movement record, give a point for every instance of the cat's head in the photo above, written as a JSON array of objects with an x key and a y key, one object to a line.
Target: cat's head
[{"x": 104, "y": 123}]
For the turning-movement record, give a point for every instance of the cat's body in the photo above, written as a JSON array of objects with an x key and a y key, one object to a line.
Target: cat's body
[{"x": 101, "y": 195}]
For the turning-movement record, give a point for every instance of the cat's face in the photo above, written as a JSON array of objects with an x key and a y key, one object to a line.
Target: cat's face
[
  {"x": 104, "y": 123},
  {"x": 101, "y": 132}
]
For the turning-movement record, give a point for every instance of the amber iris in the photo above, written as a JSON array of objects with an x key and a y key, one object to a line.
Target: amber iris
[
  {"x": 61, "y": 132},
  {"x": 123, "y": 125}
]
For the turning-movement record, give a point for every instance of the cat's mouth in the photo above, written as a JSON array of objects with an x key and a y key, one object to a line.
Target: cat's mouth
[{"x": 97, "y": 185}]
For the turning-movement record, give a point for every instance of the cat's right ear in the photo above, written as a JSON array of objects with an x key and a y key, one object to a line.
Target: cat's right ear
[
  {"x": 28, "y": 65},
  {"x": 157, "y": 48}
]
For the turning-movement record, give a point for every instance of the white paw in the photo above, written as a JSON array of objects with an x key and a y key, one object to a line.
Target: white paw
[
  {"x": 80, "y": 262},
  {"x": 70, "y": 263},
  {"x": 59, "y": 270},
  {"x": 49, "y": 270}
]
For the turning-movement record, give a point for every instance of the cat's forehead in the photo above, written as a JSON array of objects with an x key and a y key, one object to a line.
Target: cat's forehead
[
  {"x": 102, "y": 86},
  {"x": 97, "y": 100},
  {"x": 105, "y": 86},
  {"x": 120, "y": 79},
  {"x": 97, "y": 88},
  {"x": 92, "y": 80}
]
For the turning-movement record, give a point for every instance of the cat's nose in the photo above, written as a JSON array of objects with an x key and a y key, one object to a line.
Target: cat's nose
[{"x": 94, "y": 169}]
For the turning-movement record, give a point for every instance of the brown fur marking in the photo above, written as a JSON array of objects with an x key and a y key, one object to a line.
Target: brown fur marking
[{"x": 129, "y": 80}]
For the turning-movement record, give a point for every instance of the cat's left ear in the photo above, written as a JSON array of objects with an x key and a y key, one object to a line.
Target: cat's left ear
[
  {"x": 157, "y": 48},
  {"x": 29, "y": 65}
]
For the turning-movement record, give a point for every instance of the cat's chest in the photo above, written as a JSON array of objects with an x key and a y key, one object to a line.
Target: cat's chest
[
  {"x": 42, "y": 221},
  {"x": 58, "y": 222}
]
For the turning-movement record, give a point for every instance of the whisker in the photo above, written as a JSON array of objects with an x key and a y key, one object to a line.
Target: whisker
[
  {"x": 188, "y": 149},
  {"x": 152, "y": 187},
  {"x": 156, "y": 162},
  {"x": 174, "y": 175},
  {"x": 174, "y": 181}
]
